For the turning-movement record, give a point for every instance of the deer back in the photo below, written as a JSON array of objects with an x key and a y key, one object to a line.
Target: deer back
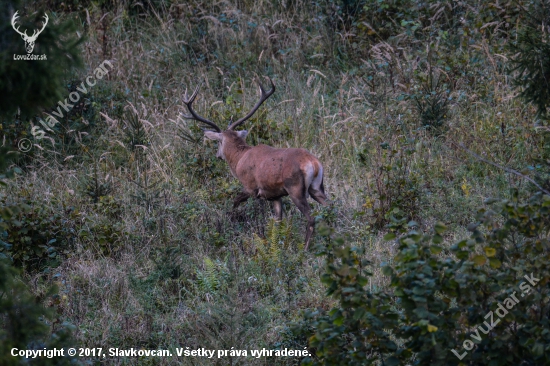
[{"x": 268, "y": 172}]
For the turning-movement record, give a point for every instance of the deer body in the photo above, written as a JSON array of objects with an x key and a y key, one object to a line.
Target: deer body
[
  {"x": 267, "y": 172},
  {"x": 278, "y": 175},
  {"x": 272, "y": 177}
]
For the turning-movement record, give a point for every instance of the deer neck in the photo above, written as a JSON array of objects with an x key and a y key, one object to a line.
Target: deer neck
[{"x": 234, "y": 154}]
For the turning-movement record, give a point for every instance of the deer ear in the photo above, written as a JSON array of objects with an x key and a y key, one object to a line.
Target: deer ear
[
  {"x": 213, "y": 135},
  {"x": 242, "y": 134}
]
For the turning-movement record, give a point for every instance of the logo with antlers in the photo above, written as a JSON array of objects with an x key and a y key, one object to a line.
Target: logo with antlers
[{"x": 29, "y": 40}]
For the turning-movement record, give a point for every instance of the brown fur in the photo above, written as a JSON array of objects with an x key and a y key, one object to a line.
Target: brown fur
[{"x": 316, "y": 169}]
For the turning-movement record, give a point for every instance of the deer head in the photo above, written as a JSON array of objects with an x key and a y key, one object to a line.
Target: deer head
[
  {"x": 29, "y": 40},
  {"x": 220, "y": 135}
]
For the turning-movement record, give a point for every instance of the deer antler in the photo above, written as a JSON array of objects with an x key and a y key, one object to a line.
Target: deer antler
[
  {"x": 36, "y": 33},
  {"x": 188, "y": 102},
  {"x": 264, "y": 96},
  {"x": 13, "y": 21},
  {"x": 24, "y": 34}
]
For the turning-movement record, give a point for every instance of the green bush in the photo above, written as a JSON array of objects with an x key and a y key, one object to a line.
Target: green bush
[
  {"x": 530, "y": 67},
  {"x": 5, "y": 173},
  {"x": 26, "y": 324},
  {"x": 104, "y": 236},
  {"x": 444, "y": 299},
  {"x": 35, "y": 236},
  {"x": 431, "y": 101},
  {"x": 393, "y": 195},
  {"x": 531, "y": 57}
]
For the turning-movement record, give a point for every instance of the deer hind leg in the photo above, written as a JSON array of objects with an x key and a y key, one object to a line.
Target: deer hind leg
[
  {"x": 318, "y": 193},
  {"x": 316, "y": 188},
  {"x": 242, "y": 197},
  {"x": 300, "y": 201}
]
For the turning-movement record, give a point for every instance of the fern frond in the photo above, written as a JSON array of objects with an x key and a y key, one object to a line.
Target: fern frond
[
  {"x": 275, "y": 242},
  {"x": 261, "y": 247},
  {"x": 212, "y": 278},
  {"x": 280, "y": 245}
]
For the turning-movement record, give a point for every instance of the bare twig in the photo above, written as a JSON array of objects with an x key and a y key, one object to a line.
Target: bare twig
[{"x": 509, "y": 170}]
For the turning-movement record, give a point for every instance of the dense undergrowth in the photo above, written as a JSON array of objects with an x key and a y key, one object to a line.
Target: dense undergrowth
[{"x": 412, "y": 107}]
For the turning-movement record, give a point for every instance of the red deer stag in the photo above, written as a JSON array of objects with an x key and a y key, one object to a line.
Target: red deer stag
[{"x": 264, "y": 171}]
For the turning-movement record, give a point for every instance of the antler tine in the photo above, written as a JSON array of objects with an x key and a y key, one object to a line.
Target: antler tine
[
  {"x": 264, "y": 96},
  {"x": 188, "y": 102},
  {"x": 13, "y": 21},
  {"x": 36, "y": 33}
]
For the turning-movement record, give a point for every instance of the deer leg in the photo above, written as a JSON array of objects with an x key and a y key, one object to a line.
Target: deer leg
[
  {"x": 242, "y": 197},
  {"x": 303, "y": 206},
  {"x": 278, "y": 208},
  {"x": 318, "y": 193}
]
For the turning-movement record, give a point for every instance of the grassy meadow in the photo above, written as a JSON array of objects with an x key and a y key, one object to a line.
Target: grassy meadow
[{"x": 403, "y": 102}]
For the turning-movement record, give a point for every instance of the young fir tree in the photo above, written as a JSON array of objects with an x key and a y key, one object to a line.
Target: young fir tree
[
  {"x": 530, "y": 66},
  {"x": 26, "y": 87}
]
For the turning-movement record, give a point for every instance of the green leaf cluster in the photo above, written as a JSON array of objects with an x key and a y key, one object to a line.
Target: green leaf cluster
[
  {"x": 33, "y": 235},
  {"x": 442, "y": 298},
  {"x": 26, "y": 324}
]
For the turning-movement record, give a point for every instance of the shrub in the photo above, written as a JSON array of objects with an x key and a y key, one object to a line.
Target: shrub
[
  {"x": 531, "y": 61},
  {"x": 105, "y": 236},
  {"x": 444, "y": 300},
  {"x": 35, "y": 236},
  {"x": 393, "y": 195},
  {"x": 530, "y": 65},
  {"x": 6, "y": 173},
  {"x": 26, "y": 324},
  {"x": 432, "y": 103}
]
